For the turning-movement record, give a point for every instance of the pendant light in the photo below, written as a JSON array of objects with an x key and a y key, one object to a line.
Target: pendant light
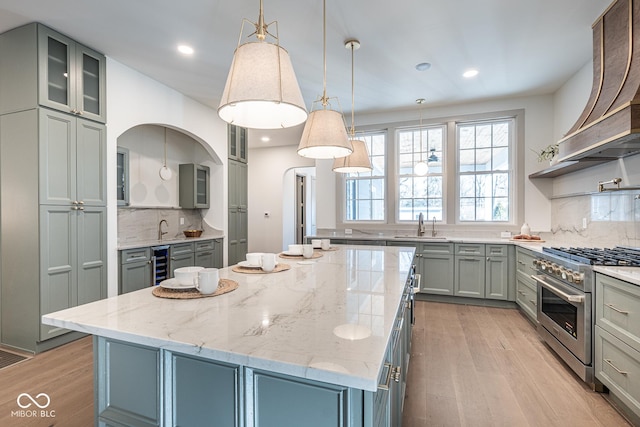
[
  {"x": 421, "y": 168},
  {"x": 165, "y": 172},
  {"x": 359, "y": 160},
  {"x": 262, "y": 91},
  {"x": 325, "y": 134}
]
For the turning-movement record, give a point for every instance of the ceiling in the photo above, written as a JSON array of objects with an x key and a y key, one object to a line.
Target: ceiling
[{"x": 520, "y": 47}]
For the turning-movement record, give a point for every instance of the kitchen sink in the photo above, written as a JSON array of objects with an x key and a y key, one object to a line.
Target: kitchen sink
[{"x": 413, "y": 236}]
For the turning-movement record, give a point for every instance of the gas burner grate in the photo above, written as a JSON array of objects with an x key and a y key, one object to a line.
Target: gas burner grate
[{"x": 618, "y": 256}]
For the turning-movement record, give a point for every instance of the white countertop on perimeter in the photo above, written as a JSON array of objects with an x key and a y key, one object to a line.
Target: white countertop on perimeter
[
  {"x": 627, "y": 274},
  {"x": 287, "y": 322}
]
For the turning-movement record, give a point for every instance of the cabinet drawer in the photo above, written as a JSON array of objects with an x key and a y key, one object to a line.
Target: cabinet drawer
[
  {"x": 527, "y": 298},
  {"x": 205, "y": 245},
  {"x": 618, "y": 309},
  {"x": 436, "y": 248},
  {"x": 618, "y": 367},
  {"x": 181, "y": 248},
  {"x": 469, "y": 249},
  {"x": 496, "y": 250},
  {"x": 524, "y": 260},
  {"x": 135, "y": 255}
]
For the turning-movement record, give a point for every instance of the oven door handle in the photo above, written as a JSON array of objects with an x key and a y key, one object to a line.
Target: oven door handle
[{"x": 565, "y": 296}]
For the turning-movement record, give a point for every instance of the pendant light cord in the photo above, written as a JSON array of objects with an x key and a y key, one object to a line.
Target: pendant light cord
[
  {"x": 353, "y": 97},
  {"x": 165, "y": 147},
  {"x": 324, "y": 53}
]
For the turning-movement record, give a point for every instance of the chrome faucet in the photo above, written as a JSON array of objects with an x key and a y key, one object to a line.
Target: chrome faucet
[
  {"x": 160, "y": 232},
  {"x": 421, "y": 225},
  {"x": 433, "y": 227}
]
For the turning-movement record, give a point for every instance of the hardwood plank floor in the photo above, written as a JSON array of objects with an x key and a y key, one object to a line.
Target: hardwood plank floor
[
  {"x": 65, "y": 374},
  {"x": 482, "y": 366},
  {"x": 470, "y": 366}
]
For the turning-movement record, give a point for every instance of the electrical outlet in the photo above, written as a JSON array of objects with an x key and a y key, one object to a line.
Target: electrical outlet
[
  {"x": 584, "y": 223},
  {"x": 347, "y": 231},
  {"x": 181, "y": 221}
]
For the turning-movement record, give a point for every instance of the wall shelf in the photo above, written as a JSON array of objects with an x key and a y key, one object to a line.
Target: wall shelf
[{"x": 563, "y": 168}]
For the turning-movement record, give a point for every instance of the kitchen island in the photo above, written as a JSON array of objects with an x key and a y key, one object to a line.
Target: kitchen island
[{"x": 324, "y": 343}]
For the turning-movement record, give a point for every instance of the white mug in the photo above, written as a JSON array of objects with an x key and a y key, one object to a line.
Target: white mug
[
  {"x": 208, "y": 279},
  {"x": 326, "y": 244},
  {"x": 317, "y": 243},
  {"x": 187, "y": 276},
  {"x": 269, "y": 262},
  {"x": 254, "y": 259},
  {"x": 295, "y": 249},
  {"x": 307, "y": 251}
]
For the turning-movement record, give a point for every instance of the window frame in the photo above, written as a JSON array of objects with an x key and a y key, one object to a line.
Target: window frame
[{"x": 450, "y": 185}]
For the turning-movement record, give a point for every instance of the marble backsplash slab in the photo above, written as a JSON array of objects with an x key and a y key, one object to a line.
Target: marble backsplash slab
[
  {"x": 612, "y": 218},
  {"x": 135, "y": 224}
]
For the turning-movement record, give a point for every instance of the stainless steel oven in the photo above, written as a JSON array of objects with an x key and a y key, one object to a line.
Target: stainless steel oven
[
  {"x": 565, "y": 307},
  {"x": 566, "y": 283}
]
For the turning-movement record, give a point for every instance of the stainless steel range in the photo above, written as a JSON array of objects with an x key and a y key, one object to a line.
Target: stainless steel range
[{"x": 566, "y": 283}]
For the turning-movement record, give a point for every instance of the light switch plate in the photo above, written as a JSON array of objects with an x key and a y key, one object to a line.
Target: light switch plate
[
  {"x": 347, "y": 231},
  {"x": 505, "y": 234}
]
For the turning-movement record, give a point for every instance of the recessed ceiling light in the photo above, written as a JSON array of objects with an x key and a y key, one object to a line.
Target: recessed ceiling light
[
  {"x": 470, "y": 73},
  {"x": 265, "y": 139},
  {"x": 187, "y": 50},
  {"x": 423, "y": 66}
]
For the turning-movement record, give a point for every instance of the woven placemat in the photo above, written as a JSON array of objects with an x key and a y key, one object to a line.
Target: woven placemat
[
  {"x": 316, "y": 254},
  {"x": 224, "y": 286},
  {"x": 248, "y": 270}
]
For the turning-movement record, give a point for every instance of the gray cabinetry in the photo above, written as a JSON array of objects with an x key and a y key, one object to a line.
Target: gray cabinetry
[
  {"x": 128, "y": 384},
  {"x": 208, "y": 253},
  {"x": 202, "y": 391},
  {"x": 194, "y": 186},
  {"x": 46, "y": 68},
  {"x": 484, "y": 271},
  {"x": 181, "y": 255},
  {"x": 56, "y": 164},
  {"x": 470, "y": 268},
  {"x": 237, "y": 143},
  {"x": 526, "y": 288},
  {"x": 238, "y": 211},
  {"x": 436, "y": 268},
  {"x": 617, "y": 340},
  {"x": 498, "y": 278},
  {"x": 135, "y": 270}
]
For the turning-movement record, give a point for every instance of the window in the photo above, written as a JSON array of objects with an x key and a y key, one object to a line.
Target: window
[
  {"x": 484, "y": 170},
  {"x": 365, "y": 198},
  {"x": 418, "y": 193}
]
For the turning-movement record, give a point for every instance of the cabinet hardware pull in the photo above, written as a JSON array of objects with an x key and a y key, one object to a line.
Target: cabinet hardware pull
[
  {"x": 387, "y": 381},
  {"x": 81, "y": 208},
  {"x": 610, "y": 363},
  {"x": 75, "y": 202},
  {"x": 396, "y": 377},
  {"x": 614, "y": 308},
  {"x": 205, "y": 253},
  {"x": 533, "y": 302},
  {"x": 81, "y": 202},
  {"x": 521, "y": 262},
  {"x": 488, "y": 259}
]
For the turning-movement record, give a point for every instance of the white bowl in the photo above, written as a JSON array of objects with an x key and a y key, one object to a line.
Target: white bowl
[{"x": 187, "y": 275}]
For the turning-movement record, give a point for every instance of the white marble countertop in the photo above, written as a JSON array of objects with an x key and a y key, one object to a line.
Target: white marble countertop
[
  {"x": 132, "y": 244},
  {"x": 627, "y": 274},
  {"x": 329, "y": 320}
]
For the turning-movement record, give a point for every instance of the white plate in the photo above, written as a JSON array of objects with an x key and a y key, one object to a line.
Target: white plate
[
  {"x": 174, "y": 284},
  {"x": 246, "y": 264},
  {"x": 290, "y": 254}
]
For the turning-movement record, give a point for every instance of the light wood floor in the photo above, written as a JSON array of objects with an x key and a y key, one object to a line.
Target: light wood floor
[
  {"x": 65, "y": 374},
  {"x": 470, "y": 366},
  {"x": 480, "y": 366}
]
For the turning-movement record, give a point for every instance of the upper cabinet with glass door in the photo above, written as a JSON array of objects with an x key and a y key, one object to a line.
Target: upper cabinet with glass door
[{"x": 46, "y": 68}]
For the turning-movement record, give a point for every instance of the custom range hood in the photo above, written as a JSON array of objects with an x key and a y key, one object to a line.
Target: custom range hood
[{"x": 609, "y": 126}]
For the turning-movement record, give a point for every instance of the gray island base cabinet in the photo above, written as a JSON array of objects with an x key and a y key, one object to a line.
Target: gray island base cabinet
[{"x": 286, "y": 349}]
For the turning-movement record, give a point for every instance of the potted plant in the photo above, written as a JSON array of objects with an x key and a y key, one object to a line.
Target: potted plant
[{"x": 548, "y": 153}]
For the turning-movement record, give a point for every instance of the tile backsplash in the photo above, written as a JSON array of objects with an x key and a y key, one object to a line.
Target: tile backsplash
[{"x": 612, "y": 218}]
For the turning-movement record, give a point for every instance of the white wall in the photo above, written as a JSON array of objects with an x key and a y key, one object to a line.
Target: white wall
[
  {"x": 134, "y": 99},
  {"x": 268, "y": 188}
]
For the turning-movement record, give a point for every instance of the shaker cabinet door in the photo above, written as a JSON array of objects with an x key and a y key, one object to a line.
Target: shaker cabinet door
[
  {"x": 91, "y": 163},
  {"x": 57, "y": 152}
]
